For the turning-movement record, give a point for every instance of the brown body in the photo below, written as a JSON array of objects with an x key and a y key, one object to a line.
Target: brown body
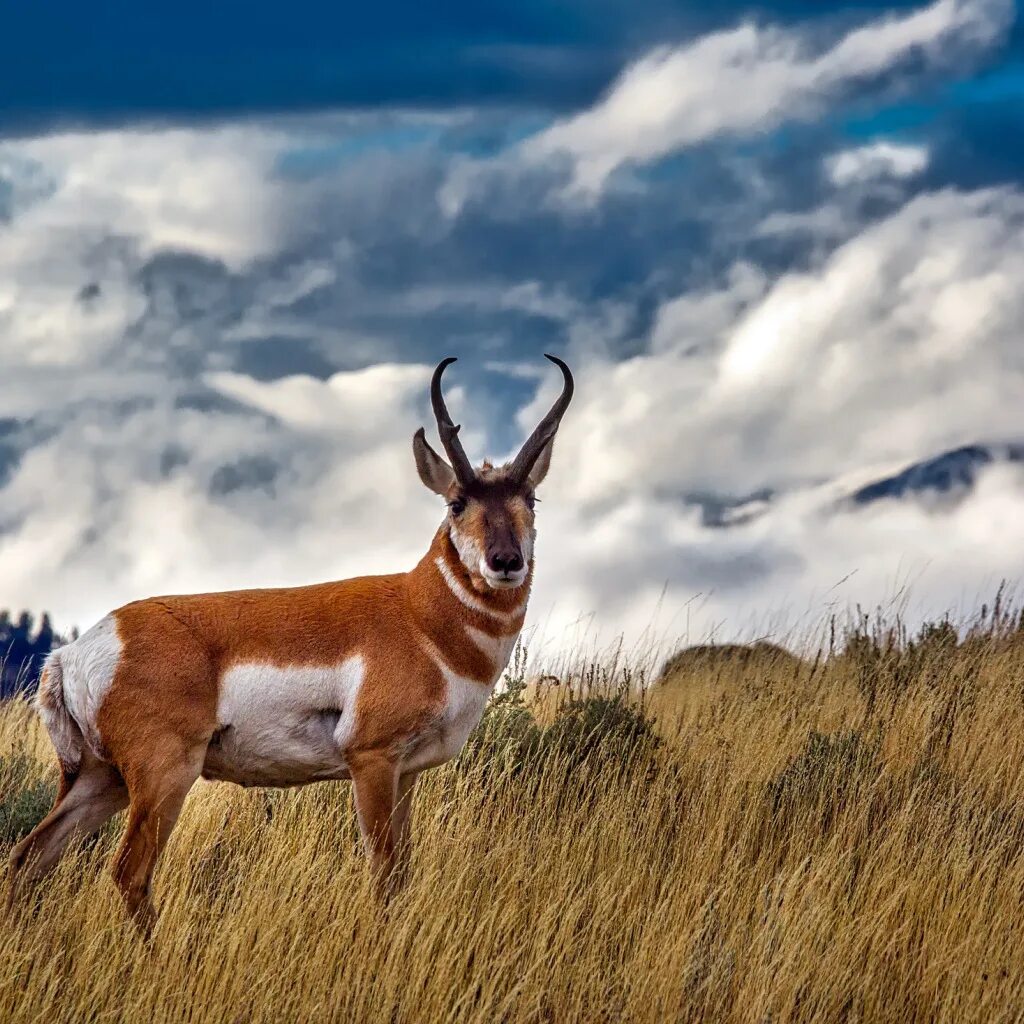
[
  {"x": 373, "y": 679},
  {"x": 178, "y": 650}
]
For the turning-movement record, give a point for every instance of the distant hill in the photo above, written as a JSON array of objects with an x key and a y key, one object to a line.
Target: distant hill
[{"x": 714, "y": 657}]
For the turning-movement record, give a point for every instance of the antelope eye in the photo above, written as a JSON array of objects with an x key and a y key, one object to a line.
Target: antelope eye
[
  {"x": 530, "y": 501},
  {"x": 457, "y": 507}
]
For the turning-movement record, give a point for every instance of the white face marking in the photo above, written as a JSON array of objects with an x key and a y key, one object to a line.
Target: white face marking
[
  {"x": 469, "y": 551},
  {"x": 473, "y": 559},
  {"x": 88, "y": 666},
  {"x": 526, "y": 544},
  {"x": 497, "y": 582},
  {"x": 515, "y": 579},
  {"x": 285, "y": 726}
]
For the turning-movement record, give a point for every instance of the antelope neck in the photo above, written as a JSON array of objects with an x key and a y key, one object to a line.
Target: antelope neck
[{"x": 446, "y": 606}]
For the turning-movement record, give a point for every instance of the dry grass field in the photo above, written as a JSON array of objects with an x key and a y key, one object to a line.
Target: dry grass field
[{"x": 758, "y": 838}]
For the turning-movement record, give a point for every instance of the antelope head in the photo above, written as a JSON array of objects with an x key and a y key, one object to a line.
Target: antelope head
[{"x": 490, "y": 510}]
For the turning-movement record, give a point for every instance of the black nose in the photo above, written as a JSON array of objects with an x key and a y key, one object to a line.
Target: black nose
[{"x": 506, "y": 561}]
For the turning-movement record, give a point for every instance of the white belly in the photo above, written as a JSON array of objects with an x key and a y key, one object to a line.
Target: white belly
[{"x": 284, "y": 726}]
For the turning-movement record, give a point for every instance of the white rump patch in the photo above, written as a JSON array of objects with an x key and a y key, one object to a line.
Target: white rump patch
[
  {"x": 88, "y": 665},
  {"x": 284, "y": 726}
]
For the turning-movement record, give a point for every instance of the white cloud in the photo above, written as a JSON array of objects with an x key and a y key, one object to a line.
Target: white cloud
[
  {"x": 747, "y": 80},
  {"x": 87, "y": 211},
  {"x": 359, "y": 401},
  {"x": 647, "y": 567},
  {"x": 208, "y": 191},
  {"x": 877, "y": 160},
  {"x": 99, "y": 519},
  {"x": 152, "y": 468},
  {"x": 902, "y": 342}
]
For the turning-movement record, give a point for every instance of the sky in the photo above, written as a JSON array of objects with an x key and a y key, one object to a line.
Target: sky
[{"x": 781, "y": 246}]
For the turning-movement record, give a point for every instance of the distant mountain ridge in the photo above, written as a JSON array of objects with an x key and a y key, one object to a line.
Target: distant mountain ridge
[
  {"x": 951, "y": 474},
  {"x": 953, "y": 470}
]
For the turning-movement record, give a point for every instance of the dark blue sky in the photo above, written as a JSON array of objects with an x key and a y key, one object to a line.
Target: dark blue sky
[{"x": 66, "y": 62}]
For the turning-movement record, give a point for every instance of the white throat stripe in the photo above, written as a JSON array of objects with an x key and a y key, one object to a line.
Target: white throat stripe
[
  {"x": 497, "y": 649},
  {"x": 467, "y": 598}
]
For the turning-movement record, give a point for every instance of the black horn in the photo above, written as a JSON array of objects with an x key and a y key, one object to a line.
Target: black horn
[
  {"x": 547, "y": 428},
  {"x": 447, "y": 430}
]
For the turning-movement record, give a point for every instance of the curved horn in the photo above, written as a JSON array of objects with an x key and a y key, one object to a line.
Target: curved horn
[
  {"x": 447, "y": 430},
  {"x": 547, "y": 428}
]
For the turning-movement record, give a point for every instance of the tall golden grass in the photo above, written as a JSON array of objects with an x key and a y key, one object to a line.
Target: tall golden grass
[{"x": 839, "y": 839}]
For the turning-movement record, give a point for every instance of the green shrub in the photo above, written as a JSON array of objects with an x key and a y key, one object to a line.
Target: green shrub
[
  {"x": 609, "y": 730},
  {"x": 824, "y": 776},
  {"x": 614, "y": 730},
  {"x": 25, "y": 798}
]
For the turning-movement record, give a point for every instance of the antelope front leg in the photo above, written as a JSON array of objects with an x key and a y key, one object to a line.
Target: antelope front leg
[
  {"x": 375, "y": 783},
  {"x": 402, "y": 823}
]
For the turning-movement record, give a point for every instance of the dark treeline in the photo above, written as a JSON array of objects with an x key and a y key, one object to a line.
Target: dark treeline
[{"x": 23, "y": 648}]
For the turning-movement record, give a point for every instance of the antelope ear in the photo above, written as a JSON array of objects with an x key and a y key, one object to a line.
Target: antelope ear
[
  {"x": 435, "y": 473},
  {"x": 542, "y": 465}
]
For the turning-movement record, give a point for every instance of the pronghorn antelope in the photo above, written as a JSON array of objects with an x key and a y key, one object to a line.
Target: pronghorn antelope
[{"x": 371, "y": 679}]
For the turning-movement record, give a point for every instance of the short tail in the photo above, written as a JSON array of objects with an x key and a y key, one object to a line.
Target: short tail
[{"x": 63, "y": 729}]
